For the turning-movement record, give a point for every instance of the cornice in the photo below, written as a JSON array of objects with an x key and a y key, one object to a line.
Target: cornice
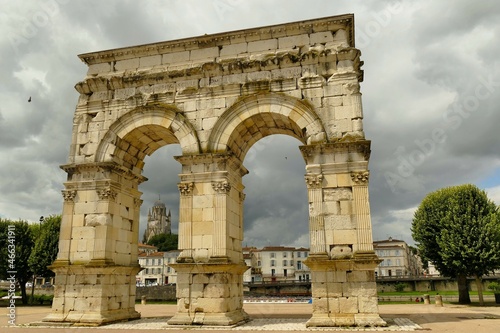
[
  {"x": 237, "y": 69},
  {"x": 332, "y": 23}
]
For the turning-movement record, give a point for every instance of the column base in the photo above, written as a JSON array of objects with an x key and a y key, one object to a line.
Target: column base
[
  {"x": 344, "y": 291},
  {"x": 93, "y": 295},
  {"x": 209, "y": 294}
]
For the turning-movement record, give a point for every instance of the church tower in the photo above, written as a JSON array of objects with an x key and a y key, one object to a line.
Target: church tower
[{"x": 159, "y": 222}]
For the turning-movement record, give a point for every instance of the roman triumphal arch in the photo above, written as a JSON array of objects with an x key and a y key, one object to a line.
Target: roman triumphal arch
[{"x": 215, "y": 96}]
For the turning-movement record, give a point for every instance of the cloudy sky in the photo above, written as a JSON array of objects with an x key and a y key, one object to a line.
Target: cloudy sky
[{"x": 430, "y": 94}]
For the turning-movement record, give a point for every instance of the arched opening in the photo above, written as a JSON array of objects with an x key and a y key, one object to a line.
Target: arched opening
[
  {"x": 159, "y": 217},
  {"x": 275, "y": 216},
  {"x": 275, "y": 209}
]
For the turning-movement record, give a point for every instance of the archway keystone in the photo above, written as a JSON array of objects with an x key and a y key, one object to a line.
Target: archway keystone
[{"x": 215, "y": 96}]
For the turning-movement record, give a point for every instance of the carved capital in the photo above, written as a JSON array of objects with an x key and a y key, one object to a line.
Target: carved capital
[
  {"x": 360, "y": 178},
  {"x": 69, "y": 195},
  {"x": 137, "y": 202},
  {"x": 106, "y": 194},
  {"x": 314, "y": 181},
  {"x": 222, "y": 187},
  {"x": 185, "y": 188}
]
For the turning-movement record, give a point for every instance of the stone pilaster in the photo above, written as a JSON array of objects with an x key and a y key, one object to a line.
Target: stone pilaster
[
  {"x": 185, "y": 221},
  {"x": 220, "y": 232},
  {"x": 316, "y": 218},
  {"x": 97, "y": 260},
  {"x": 361, "y": 209}
]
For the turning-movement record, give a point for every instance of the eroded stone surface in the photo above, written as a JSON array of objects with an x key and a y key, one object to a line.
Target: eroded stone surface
[{"x": 216, "y": 96}]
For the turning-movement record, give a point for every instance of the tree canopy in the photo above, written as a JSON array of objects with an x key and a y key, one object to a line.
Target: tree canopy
[
  {"x": 18, "y": 242},
  {"x": 46, "y": 246},
  {"x": 165, "y": 242},
  {"x": 458, "y": 230}
]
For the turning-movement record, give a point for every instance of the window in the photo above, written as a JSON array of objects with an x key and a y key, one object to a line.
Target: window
[
  {"x": 305, "y": 254},
  {"x": 273, "y": 254},
  {"x": 258, "y": 263},
  {"x": 389, "y": 262},
  {"x": 273, "y": 263},
  {"x": 147, "y": 261},
  {"x": 398, "y": 262},
  {"x": 285, "y": 263},
  {"x": 299, "y": 264},
  {"x": 284, "y": 254},
  {"x": 284, "y": 273},
  {"x": 147, "y": 270},
  {"x": 291, "y": 262},
  {"x": 398, "y": 253},
  {"x": 298, "y": 254},
  {"x": 273, "y": 272}
]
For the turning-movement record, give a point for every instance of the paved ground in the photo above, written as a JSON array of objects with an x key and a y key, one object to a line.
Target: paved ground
[{"x": 283, "y": 318}]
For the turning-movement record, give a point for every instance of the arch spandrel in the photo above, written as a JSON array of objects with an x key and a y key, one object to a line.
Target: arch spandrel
[
  {"x": 257, "y": 116},
  {"x": 142, "y": 131}
]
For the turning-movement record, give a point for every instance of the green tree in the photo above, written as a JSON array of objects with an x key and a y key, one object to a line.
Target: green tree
[
  {"x": 46, "y": 246},
  {"x": 19, "y": 235},
  {"x": 165, "y": 242},
  {"x": 458, "y": 230}
]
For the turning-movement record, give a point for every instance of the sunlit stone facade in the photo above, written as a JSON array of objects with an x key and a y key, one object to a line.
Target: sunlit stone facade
[{"x": 215, "y": 96}]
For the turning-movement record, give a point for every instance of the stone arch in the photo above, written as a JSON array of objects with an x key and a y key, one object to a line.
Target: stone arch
[
  {"x": 216, "y": 96},
  {"x": 142, "y": 131},
  {"x": 257, "y": 116}
]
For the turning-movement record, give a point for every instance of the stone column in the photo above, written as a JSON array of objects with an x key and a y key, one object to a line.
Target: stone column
[
  {"x": 210, "y": 268},
  {"x": 185, "y": 221},
  {"x": 97, "y": 261},
  {"x": 220, "y": 232},
  {"x": 361, "y": 209},
  {"x": 316, "y": 217},
  {"x": 342, "y": 261}
]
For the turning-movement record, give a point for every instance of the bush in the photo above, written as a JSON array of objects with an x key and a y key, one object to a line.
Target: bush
[
  {"x": 41, "y": 299},
  {"x": 399, "y": 287},
  {"x": 495, "y": 287}
]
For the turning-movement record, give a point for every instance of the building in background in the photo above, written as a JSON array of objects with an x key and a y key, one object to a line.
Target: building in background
[
  {"x": 398, "y": 259},
  {"x": 273, "y": 264},
  {"x": 159, "y": 221}
]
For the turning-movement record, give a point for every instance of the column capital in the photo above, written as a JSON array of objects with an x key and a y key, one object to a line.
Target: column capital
[
  {"x": 314, "y": 181},
  {"x": 106, "y": 193},
  {"x": 185, "y": 188},
  {"x": 221, "y": 187},
  {"x": 360, "y": 177},
  {"x": 69, "y": 195}
]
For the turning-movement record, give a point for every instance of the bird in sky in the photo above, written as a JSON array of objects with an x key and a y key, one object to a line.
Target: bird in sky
[{"x": 29, "y": 99}]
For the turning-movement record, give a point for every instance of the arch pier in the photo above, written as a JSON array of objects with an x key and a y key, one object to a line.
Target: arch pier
[{"x": 215, "y": 96}]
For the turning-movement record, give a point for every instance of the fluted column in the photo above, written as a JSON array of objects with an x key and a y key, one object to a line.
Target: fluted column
[
  {"x": 219, "y": 248},
  {"x": 316, "y": 217},
  {"x": 361, "y": 209},
  {"x": 185, "y": 221}
]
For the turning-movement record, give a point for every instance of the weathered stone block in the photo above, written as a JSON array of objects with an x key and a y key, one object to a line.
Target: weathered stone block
[{"x": 293, "y": 41}]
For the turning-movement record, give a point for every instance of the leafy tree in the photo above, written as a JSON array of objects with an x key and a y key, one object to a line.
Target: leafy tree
[
  {"x": 458, "y": 230},
  {"x": 19, "y": 235},
  {"x": 46, "y": 246},
  {"x": 165, "y": 242}
]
